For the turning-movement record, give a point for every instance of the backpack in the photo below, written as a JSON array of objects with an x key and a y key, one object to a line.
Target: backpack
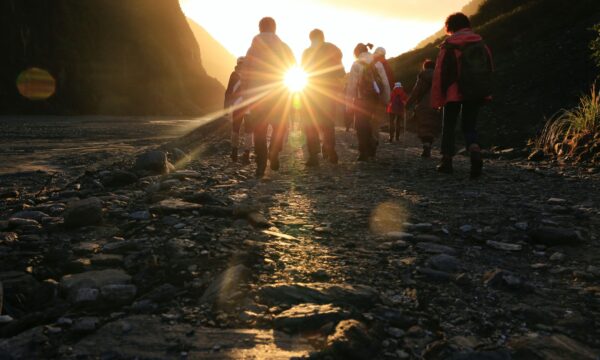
[
  {"x": 475, "y": 75},
  {"x": 369, "y": 83}
]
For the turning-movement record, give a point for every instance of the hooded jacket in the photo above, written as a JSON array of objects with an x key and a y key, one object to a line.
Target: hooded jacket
[
  {"x": 355, "y": 74},
  {"x": 447, "y": 69},
  {"x": 267, "y": 60}
]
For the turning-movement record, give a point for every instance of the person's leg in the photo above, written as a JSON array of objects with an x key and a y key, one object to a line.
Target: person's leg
[
  {"x": 248, "y": 140},
  {"x": 364, "y": 134},
  {"x": 236, "y": 124},
  {"x": 260, "y": 146},
  {"x": 451, "y": 112},
  {"x": 399, "y": 126},
  {"x": 312, "y": 140},
  {"x": 427, "y": 142},
  {"x": 328, "y": 130},
  {"x": 276, "y": 145},
  {"x": 392, "y": 117},
  {"x": 470, "y": 112}
]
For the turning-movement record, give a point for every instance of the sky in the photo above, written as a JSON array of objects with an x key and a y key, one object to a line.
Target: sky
[{"x": 396, "y": 25}]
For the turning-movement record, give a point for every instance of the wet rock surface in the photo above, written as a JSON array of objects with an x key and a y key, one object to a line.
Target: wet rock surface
[{"x": 381, "y": 260}]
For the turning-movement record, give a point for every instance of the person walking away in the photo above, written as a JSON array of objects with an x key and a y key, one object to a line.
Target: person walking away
[
  {"x": 323, "y": 63},
  {"x": 382, "y": 65},
  {"x": 233, "y": 103},
  {"x": 365, "y": 91},
  {"x": 428, "y": 121},
  {"x": 267, "y": 60},
  {"x": 461, "y": 84},
  {"x": 395, "y": 110}
]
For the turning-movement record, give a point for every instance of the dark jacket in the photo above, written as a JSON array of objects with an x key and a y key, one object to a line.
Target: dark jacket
[
  {"x": 234, "y": 88},
  {"x": 323, "y": 63},
  {"x": 428, "y": 120}
]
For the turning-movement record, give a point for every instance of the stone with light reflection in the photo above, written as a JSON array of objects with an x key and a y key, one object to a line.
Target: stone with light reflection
[
  {"x": 360, "y": 296},
  {"x": 307, "y": 317}
]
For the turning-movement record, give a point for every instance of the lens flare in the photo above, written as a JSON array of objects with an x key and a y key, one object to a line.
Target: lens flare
[
  {"x": 36, "y": 84},
  {"x": 296, "y": 79}
]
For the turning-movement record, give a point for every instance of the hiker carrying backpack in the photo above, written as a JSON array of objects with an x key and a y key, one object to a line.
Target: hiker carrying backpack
[
  {"x": 462, "y": 82},
  {"x": 367, "y": 89}
]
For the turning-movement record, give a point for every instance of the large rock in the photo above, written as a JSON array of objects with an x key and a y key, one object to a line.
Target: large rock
[
  {"x": 360, "y": 296},
  {"x": 351, "y": 340},
  {"x": 147, "y": 337},
  {"x": 307, "y": 317},
  {"x": 30, "y": 214},
  {"x": 444, "y": 262},
  {"x": 70, "y": 284},
  {"x": 119, "y": 178},
  {"x": 434, "y": 248},
  {"x": 31, "y": 344},
  {"x": 226, "y": 287},
  {"x": 86, "y": 212},
  {"x": 153, "y": 161},
  {"x": 551, "y": 347},
  {"x": 170, "y": 206},
  {"x": 555, "y": 236}
]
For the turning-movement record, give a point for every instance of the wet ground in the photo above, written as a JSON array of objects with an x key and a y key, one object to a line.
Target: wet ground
[{"x": 50, "y": 143}]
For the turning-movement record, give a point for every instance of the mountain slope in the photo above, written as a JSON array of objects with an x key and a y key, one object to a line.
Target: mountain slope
[
  {"x": 217, "y": 60},
  {"x": 470, "y": 9},
  {"x": 542, "y": 58},
  {"x": 133, "y": 57}
]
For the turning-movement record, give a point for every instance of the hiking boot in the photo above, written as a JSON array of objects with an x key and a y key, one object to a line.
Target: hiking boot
[
  {"x": 261, "y": 166},
  {"x": 313, "y": 161},
  {"x": 426, "y": 151},
  {"x": 274, "y": 162},
  {"x": 445, "y": 166},
  {"x": 234, "y": 154},
  {"x": 246, "y": 157},
  {"x": 333, "y": 157},
  {"x": 476, "y": 164},
  {"x": 362, "y": 158}
]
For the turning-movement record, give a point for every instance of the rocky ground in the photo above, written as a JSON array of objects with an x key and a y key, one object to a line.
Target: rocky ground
[{"x": 382, "y": 260}]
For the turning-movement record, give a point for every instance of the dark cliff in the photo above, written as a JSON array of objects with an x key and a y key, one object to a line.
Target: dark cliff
[{"x": 133, "y": 57}]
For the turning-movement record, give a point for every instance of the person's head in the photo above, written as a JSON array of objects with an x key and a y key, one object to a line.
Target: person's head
[
  {"x": 240, "y": 60},
  {"x": 362, "y": 48},
  {"x": 380, "y": 52},
  {"x": 316, "y": 37},
  {"x": 267, "y": 25},
  {"x": 456, "y": 22},
  {"x": 428, "y": 64}
]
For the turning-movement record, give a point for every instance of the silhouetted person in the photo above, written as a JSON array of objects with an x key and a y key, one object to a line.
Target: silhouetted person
[
  {"x": 366, "y": 90},
  {"x": 395, "y": 110},
  {"x": 267, "y": 60},
  {"x": 428, "y": 120},
  {"x": 461, "y": 84},
  {"x": 233, "y": 102},
  {"x": 380, "y": 116},
  {"x": 323, "y": 63}
]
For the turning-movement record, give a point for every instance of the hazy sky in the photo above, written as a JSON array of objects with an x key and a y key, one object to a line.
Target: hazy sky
[{"x": 397, "y": 25}]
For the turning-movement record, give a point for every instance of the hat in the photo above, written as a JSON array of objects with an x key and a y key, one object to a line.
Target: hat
[
  {"x": 398, "y": 85},
  {"x": 380, "y": 51}
]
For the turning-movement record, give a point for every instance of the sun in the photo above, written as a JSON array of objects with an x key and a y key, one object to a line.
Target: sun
[{"x": 296, "y": 79}]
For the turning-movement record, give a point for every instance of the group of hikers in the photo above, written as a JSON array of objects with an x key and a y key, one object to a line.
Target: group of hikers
[{"x": 455, "y": 86}]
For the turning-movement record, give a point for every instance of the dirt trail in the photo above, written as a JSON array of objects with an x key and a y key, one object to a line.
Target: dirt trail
[{"x": 380, "y": 260}]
